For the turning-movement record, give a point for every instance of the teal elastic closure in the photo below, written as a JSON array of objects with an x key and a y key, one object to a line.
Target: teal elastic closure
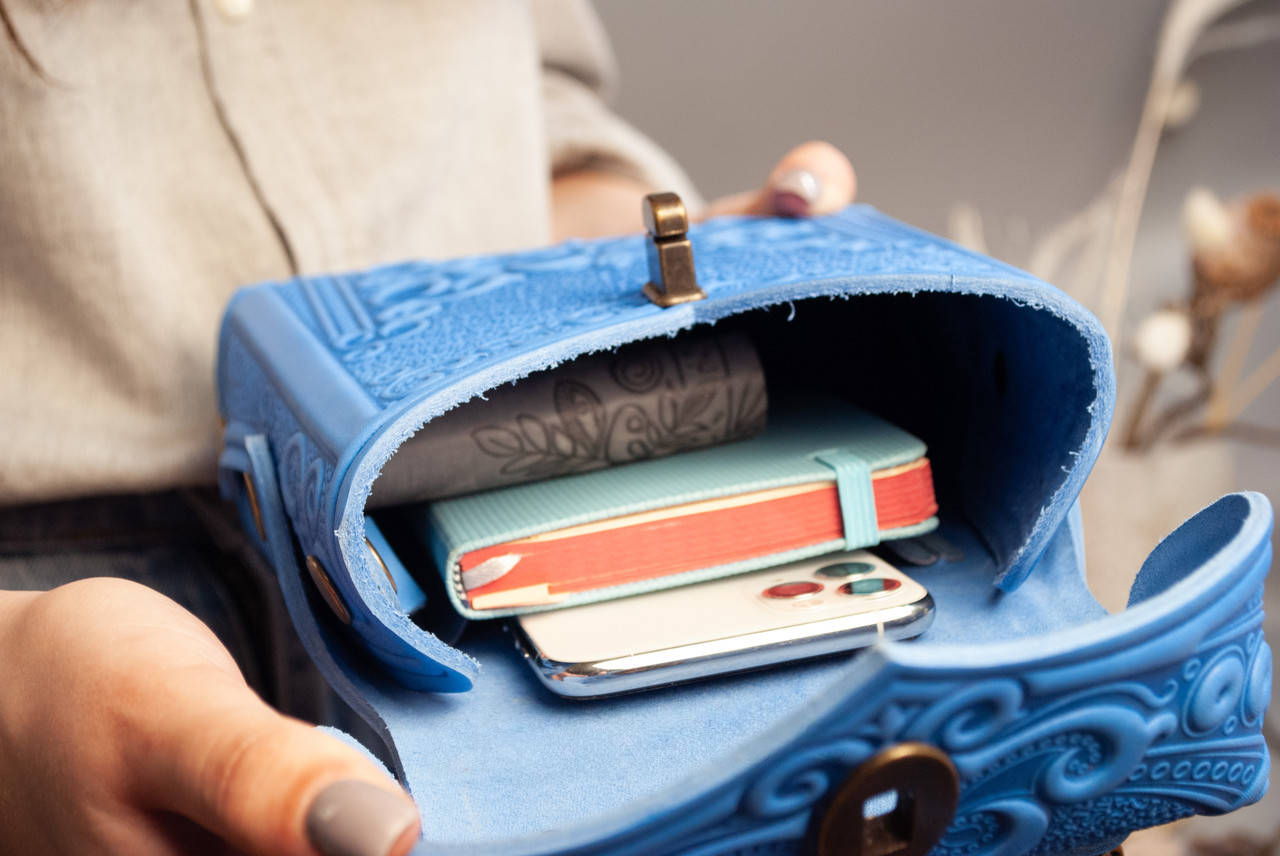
[{"x": 857, "y": 499}]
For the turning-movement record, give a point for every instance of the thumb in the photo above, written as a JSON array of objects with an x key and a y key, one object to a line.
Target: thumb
[
  {"x": 811, "y": 179},
  {"x": 269, "y": 784}
]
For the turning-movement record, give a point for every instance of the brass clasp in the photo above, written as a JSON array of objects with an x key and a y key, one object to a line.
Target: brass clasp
[{"x": 671, "y": 275}]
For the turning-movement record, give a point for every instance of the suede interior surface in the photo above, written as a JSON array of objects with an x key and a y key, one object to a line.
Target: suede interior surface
[
  {"x": 1189, "y": 546},
  {"x": 509, "y": 737},
  {"x": 510, "y": 767},
  {"x": 1001, "y": 395},
  {"x": 1006, "y": 379},
  {"x": 1004, "y": 396}
]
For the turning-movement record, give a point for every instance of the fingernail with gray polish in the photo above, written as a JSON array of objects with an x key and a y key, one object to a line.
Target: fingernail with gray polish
[
  {"x": 354, "y": 818},
  {"x": 796, "y": 192}
]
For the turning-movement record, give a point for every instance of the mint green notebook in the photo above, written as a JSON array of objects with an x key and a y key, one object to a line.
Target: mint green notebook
[{"x": 815, "y": 441}]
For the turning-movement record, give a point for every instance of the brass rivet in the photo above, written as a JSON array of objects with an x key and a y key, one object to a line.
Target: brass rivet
[
  {"x": 377, "y": 557},
  {"x": 253, "y": 505},
  {"x": 928, "y": 790},
  {"x": 671, "y": 274},
  {"x": 330, "y": 594}
]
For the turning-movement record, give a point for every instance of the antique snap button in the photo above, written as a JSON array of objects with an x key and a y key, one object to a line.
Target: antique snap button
[
  {"x": 920, "y": 784},
  {"x": 377, "y": 557},
  {"x": 320, "y": 577},
  {"x": 255, "y": 509}
]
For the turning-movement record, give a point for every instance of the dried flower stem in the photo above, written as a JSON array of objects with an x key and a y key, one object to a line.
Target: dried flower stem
[
  {"x": 1133, "y": 431},
  {"x": 1185, "y": 21},
  {"x": 1254, "y": 385},
  {"x": 1219, "y": 411}
]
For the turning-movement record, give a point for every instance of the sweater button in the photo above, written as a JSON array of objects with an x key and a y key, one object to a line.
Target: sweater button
[{"x": 234, "y": 10}]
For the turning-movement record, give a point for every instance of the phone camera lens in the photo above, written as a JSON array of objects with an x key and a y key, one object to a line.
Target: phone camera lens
[
  {"x": 845, "y": 569},
  {"x": 872, "y": 585},
  {"x": 793, "y": 590}
]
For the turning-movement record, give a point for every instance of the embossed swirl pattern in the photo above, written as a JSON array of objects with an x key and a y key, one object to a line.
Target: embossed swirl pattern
[{"x": 1041, "y": 774}]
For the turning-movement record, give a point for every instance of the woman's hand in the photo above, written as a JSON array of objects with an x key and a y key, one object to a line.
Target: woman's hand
[
  {"x": 126, "y": 727},
  {"x": 814, "y": 178}
]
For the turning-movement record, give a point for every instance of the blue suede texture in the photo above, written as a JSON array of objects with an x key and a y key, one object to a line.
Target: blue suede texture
[{"x": 1069, "y": 727}]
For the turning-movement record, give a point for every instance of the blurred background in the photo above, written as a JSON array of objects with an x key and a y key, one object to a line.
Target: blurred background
[{"x": 1101, "y": 145}]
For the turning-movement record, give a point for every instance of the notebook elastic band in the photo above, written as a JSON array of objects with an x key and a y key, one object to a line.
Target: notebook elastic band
[{"x": 857, "y": 498}]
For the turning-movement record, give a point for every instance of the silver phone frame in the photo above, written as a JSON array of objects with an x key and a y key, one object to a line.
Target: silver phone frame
[{"x": 725, "y": 656}]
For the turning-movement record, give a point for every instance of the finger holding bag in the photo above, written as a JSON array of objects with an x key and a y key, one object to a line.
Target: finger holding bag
[{"x": 133, "y": 731}]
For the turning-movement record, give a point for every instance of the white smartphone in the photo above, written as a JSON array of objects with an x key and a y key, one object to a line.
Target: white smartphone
[{"x": 824, "y": 605}]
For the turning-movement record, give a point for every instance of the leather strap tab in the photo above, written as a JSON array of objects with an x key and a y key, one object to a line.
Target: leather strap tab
[{"x": 857, "y": 499}]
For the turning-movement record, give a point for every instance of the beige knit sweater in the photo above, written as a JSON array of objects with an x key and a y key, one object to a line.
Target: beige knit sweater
[{"x": 175, "y": 150}]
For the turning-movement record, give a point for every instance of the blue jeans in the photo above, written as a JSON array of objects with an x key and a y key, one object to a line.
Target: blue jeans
[{"x": 186, "y": 545}]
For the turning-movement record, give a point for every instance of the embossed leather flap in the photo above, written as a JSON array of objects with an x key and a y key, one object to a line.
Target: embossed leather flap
[{"x": 1006, "y": 380}]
